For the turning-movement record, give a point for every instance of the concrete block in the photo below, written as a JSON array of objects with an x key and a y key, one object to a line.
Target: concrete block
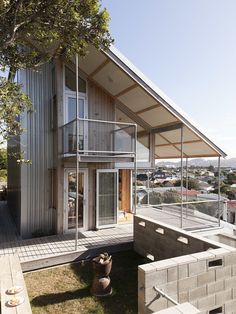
[
  {"x": 171, "y": 288},
  {"x": 172, "y": 274},
  {"x": 205, "y": 303},
  {"x": 182, "y": 271},
  {"x": 157, "y": 305},
  {"x": 155, "y": 278},
  {"x": 203, "y": 255},
  {"x": 230, "y": 283},
  {"x": 197, "y": 293},
  {"x": 205, "y": 278},
  {"x": 170, "y": 310},
  {"x": 223, "y": 296},
  {"x": 163, "y": 264},
  {"x": 187, "y": 308},
  {"x": 197, "y": 268},
  {"x": 233, "y": 272},
  {"x": 223, "y": 273},
  {"x": 216, "y": 286},
  {"x": 183, "y": 297},
  {"x": 230, "y": 306},
  {"x": 230, "y": 259},
  {"x": 187, "y": 283},
  {"x": 185, "y": 259}
]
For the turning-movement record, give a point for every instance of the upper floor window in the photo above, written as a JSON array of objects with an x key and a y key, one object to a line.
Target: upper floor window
[{"x": 70, "y": 82}]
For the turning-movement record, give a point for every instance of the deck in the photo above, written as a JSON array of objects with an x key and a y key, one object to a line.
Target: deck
[{"x": 52, "y": 250}]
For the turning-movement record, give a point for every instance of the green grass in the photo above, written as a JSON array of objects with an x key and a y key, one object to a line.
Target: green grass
[{"x": 66, "y": 289}]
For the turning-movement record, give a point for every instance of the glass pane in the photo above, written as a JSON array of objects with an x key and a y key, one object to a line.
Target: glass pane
[
  {"x": 107, "y": 198},
  {"x": 72, "y": 200},
  {"x": 72, "y": 108},
  {"x": 70, "y": 81}
]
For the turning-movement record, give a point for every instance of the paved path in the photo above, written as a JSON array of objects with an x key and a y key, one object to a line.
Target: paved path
[{"x": 8, "y": 231}]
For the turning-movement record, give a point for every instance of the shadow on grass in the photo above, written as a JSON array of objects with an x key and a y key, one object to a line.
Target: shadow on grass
[
  {"x": 124, "y": 283},
  {"x": 54, "y": 298}
]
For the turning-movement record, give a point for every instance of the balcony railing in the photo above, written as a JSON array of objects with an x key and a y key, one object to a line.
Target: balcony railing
[{"x": 98, "y": 137}]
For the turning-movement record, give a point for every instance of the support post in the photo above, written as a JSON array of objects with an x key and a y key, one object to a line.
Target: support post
[
  {"x": 181, "y": 215},
  {"x": 219, "y": 195},
  {"x": 77, "y": 151},
  {"x": 148, "y": 187},
  {"x": 135, "y": 170},
  {"x": 186, "y": 186}
]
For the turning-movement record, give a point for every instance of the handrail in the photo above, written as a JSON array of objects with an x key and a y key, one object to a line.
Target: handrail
[
  {"x": 100, "y": 121},
  {"x": 184, "y": 203},
  {"x": 166, "y": 296}
]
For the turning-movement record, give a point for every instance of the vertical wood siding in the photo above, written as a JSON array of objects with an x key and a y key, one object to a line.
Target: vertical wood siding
[{"x": 37, "y": 216}]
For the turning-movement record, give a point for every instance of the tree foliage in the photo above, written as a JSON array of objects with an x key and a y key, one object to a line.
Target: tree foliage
[
  {"x": 33, "y": 32},
  {"x": 192, "y": 183},
  {"x": 3, "y": 158},
  {"x": 12, "y": 103}
]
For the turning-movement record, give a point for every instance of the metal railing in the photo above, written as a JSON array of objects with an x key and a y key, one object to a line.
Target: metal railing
[
  {"x": 98, "y": 137},
  {"x": 209, "y": 212}
]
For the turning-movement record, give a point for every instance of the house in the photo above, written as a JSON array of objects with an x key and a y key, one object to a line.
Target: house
[{"x": 124, "y": 122}]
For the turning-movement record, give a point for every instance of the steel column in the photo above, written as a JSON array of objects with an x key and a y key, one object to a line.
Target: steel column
[
  {"x": 181, "y": 222},
  {"x": 186, "y": 185},
  {"x": 135, "y": 171},
  {"x": 219, "y": 194},
  {"x": 77, "y": 150},
  {"x": 148, "y": 187}
]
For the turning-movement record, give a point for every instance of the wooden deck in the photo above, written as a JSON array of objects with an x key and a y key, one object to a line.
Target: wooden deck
[{"x": 53, "y": 250}]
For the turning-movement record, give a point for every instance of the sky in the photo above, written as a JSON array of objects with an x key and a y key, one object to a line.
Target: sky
[{"x": 188, "y": 49}]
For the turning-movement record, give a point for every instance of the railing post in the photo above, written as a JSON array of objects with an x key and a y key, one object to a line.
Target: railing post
[
  {"x": 148, "y": 187},
  {"x": 135, "y": 171},
  {"x": 186, "y": 186},
  {"x": 77, "y": 151},
  {"x": 181, "y": 222},
  {"x": 219, "y": 194}
]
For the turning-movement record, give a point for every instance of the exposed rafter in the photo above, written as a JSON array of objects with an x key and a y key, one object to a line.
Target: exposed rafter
[
  {"x": 132, "y": 115},
  {"x": 171, "y": 144},
  {"x": 167, "y": 127},
  {"x": 99, "y": 68},
  {"x": 148, "y": 109},
  {"x": 179, "y": 143},
  {"x": 126, "y": 90}
]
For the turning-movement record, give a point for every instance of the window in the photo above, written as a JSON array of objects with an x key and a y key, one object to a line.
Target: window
[{"x": 70, "y": 81}]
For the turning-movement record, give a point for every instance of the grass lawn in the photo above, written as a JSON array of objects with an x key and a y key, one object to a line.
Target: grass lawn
[{"x": 66, "y": 289}]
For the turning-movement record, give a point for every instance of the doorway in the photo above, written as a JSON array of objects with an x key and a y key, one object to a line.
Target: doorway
[{"x": 70, "y": 200}]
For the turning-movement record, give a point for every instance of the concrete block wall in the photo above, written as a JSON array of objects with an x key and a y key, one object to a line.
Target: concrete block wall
[
  {"x": 185, "y": 308},
  {"x": 206, "y": 279}
]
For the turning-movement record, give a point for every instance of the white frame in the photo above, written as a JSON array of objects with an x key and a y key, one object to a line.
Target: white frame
[
  {"x": 85, "y": 209},
  {"x": 97, "y": 197}
]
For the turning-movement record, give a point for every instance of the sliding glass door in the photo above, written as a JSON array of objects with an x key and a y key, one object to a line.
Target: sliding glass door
[{"x": 107, "y": 198}]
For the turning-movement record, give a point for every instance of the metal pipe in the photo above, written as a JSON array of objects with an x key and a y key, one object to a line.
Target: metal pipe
[
  {"x": 186, "y": 185},
  {"x": 219, "y": 196},
  {"x": 77, "y": 150},
  {"x": 135, "y": 170},
  {"x": 166, "y": 296},
  {"x": 99, "y": 121},
  {"x": 148, "y": 187},
  {"x": 181, "y": 222}
]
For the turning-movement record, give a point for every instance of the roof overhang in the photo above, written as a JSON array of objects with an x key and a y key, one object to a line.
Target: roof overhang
[{"x": 139, "y": 99}]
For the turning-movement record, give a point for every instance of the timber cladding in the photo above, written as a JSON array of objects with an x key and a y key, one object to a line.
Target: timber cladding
[{"x": 202, "y": 274}]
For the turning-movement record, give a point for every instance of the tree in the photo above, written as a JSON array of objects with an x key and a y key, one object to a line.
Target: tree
[
  {"x": 211, "y": 168},
  {"x": 171, "y": 196},
  {"x": 192, "y": 183},
  {"x": 3, "y": 158},
  {"x": 33, "y": 32}
]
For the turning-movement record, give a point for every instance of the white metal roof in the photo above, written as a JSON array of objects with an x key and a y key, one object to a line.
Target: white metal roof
[{"x": 143, "y": 102}]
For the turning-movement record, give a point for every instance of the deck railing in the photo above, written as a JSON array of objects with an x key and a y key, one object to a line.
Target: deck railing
[
  {"x": 98, "y": 137},
  {"x": 207, "y": 212}
]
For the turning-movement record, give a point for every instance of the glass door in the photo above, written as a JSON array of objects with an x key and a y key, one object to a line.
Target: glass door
[
  {"x": 70, "y": 204},
  {"x": 107, "y": 198},
  {"x": 70, "y": 115}
]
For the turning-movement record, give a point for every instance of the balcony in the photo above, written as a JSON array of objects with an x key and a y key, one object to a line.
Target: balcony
[{"x": 98, "y": 138}]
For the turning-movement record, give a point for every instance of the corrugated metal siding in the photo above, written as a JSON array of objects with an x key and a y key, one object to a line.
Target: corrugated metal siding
[
  {"x": 37, "y": 216},
  {"x": 14, "y": 181}
]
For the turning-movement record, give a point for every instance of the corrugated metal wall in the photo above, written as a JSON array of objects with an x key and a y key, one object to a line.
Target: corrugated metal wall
[{"x": 37, "y": 216}]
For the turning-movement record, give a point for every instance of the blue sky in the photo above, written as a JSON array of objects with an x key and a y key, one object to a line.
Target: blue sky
[{"x": 188, "y": 48}]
